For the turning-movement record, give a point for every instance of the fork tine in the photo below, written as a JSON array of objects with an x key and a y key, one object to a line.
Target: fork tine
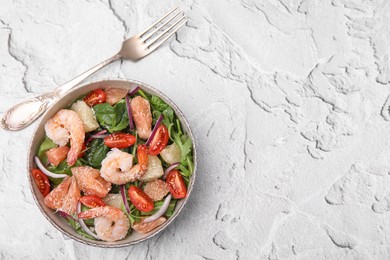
[
  {"x": 159, "y": 20},
  {"x": 161, "y": 26},
  {"x": 166, "y": 31},
  {"x": 155, "y": 46}
]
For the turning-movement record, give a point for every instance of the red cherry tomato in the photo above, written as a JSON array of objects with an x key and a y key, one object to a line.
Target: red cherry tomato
[
  {"x": 42, "y": 181},
  {"x": 140, "y": 200},
  {"x": 159, "y": 140},
  {"x": 97, "y": 96},
  {"x": 92, "y": 201},
  {"x": 119, "y": 140},
  {"x": 176, "y": 184}
]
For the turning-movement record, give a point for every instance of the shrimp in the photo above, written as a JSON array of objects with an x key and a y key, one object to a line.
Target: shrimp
[
  {"x": 111, "y": 224},
  {"x": 118, "y": 166},
  {"x": 65, "y": 196},
  {"x": 142, "y": 116},
  {"x": 65, "y": 125},
  {"x": 90, "y": 181}
]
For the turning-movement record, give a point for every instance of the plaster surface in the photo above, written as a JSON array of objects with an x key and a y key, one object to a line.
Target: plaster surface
[{"x": 288, "y": 100}]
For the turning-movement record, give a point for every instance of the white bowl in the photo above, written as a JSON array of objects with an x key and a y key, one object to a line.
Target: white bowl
[{"x": 39, "y": 135}]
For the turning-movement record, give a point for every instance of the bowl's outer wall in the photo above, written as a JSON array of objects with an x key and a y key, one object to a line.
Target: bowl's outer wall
[{"x": 39, "y": 135}]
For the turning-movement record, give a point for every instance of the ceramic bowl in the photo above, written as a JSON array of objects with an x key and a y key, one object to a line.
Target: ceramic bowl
[{"x": 39, "y": 135}]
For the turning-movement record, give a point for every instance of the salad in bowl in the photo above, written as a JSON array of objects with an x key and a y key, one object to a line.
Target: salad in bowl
[{"x": 114, "y": 165}]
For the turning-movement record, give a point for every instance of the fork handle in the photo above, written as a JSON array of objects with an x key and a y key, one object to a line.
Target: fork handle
[{"x": 23, "y": 114}]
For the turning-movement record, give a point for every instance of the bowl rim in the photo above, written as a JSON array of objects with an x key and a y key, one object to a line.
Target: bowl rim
[{"x": 86, "y": 241}]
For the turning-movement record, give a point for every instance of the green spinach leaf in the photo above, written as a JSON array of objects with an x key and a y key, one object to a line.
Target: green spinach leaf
[
  {"x": 96, "y": 152},
  {"x": 63, "y": 168},
  {"x": 113, "y": 118}
]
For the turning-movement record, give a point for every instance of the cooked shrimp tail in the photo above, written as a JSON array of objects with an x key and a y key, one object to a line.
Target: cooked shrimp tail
[
  {"x": 118, "y": 167},
  {"x": 65, "y": 125},
  {"x": 90, "y": 181},
  {"x": 111, "y": 224}
]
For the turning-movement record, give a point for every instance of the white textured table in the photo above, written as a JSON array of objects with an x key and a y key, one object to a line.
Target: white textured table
[{"x": 287, "y": 100}]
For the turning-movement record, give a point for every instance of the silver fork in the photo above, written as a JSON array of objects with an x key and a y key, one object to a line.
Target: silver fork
[{"x": 134, "y": 48}]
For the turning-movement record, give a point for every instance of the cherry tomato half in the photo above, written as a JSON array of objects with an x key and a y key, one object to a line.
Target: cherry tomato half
[
  {"x": 97, "y": 96},
  {"x": 140, "y": 200},
  {"x": 119, "y": 140},
  {"x": 176, "y": 184},
  {"x": 42, "y": 181},
  {"x": 159, "y": 140},
  {"x": 92, "y": 201}
]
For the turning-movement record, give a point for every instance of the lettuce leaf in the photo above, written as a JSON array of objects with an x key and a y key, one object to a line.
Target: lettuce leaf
[
  {"x": 158, "y": 104},
  {"x": 157, "y": 206},
  {"x": 175, "y": 133},
  {"x": 167, "y": 120},
  {"x": 46, "y": 145},
  {"x": 76, "y": 226}
]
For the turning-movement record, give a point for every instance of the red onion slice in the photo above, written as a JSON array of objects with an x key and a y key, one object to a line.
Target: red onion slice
[
  {"x": 82, "y": 224},
  {"x": 154, "y": 130},
  {"x": 63, "y": 214},
  {"x": 170, "y": 168},
  {"x": 123, "y": 193},
  {"x": 98, "y": 136},
  {"x": 47, "y": 172},
  {"x": 161, "y": 211},
  {"x": 129, "y": 114},
  {"x": 66, "y": 215},
  {"x": 132, "y": 92},
  {"x": 101, "y": 132},
  {"x": 88, "y": 141}
]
